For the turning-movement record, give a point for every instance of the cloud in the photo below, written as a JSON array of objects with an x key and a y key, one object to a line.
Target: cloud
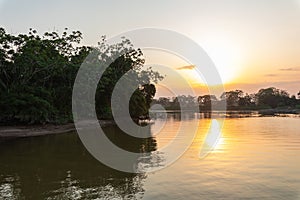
[
  {"x": 290, "y": 69},
  {"x": 188, "y": 67},
  {"x": 291, "y": 86},
  {"x": 271, "y": 75}
]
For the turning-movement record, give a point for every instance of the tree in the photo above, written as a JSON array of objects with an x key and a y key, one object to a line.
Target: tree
[
  {"x": 38, "y": 69},
  {"x": 148, "y": 91},
  {"x": 164, "y": 101},
  {"x": 127, "y": 59},
  {"x": 205, "y": 101},
  {"x": 272, "y": 97},
  {"x": 186, "y": 102},
  {"x": 141, "y": 100},
  {"x": 37, "y": 74},
  {"x": 232, "y": 98},
  {"x": 247, "y": 100}
]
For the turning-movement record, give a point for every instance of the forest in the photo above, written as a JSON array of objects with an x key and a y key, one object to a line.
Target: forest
[
  {"x": 266, "y": 98},
  {"x": 37, "y": 74}
]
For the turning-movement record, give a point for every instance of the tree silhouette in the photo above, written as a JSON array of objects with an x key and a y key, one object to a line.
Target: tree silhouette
[{"x": 37, "y": 74}]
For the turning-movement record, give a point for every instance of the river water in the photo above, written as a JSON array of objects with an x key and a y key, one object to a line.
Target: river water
[{"x": 255, "y": 158}]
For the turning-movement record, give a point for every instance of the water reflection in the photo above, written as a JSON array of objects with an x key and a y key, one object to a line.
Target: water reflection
[
  {"x": 157, "y": 114},
  {"x": 212, "y": 138},
  {"x": 59, "y": 167},
  {"x": 8, "y": 189},
  {"x": 255, "y": 158}
]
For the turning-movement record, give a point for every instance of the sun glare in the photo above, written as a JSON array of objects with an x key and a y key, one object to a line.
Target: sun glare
[
  {"x": 225, "y": 54},
  {"x": 213, "y": 139}
]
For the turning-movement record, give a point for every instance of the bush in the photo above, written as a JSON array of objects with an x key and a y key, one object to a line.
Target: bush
[{"x": 25, "y": 108}]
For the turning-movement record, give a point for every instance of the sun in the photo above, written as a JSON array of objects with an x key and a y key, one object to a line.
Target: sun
[{"x": 226, "y": 55}]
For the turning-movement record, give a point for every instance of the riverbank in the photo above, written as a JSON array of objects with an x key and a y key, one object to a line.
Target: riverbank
[
  {"x": 19, "y": 131},
  {"x": 34, "y": 130},
  {"x": 278, "y": 111}
]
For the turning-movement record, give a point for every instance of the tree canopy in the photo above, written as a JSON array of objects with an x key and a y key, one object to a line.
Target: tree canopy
[
  {"x": 238, "y": 100},
  {"x": 37, "y": 73}
]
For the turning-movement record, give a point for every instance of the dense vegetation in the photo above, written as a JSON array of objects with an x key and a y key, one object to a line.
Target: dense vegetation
[
  {"x": 37, "y": 74},
  {"x": 268, "y": 98}
]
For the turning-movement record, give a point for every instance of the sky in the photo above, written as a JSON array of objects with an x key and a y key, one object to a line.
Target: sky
[{"x": 254, "y": 44}]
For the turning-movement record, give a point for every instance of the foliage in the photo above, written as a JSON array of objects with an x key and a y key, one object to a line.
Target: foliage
[
  {"x": 141, "y": 100},
  {"x": 238, "y": 100},
  {"x": 130, "y": 60},
  {"x": 272, "y": 97},
  {"x": 37, "y": 74},
  {"x": 180, "y": 102},
  {"x": 205, "y": 102}
]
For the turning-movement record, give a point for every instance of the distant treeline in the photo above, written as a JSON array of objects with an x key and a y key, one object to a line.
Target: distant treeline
[
  {"x": 268, "y": 98},
  {"x": 37, "y": 74}
]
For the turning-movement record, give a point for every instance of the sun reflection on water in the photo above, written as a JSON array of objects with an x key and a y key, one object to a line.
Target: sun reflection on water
[{"x": 213, "y": 141}]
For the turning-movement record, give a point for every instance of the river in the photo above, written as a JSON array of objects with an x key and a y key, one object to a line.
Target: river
[{"x": 255, "y": 158}]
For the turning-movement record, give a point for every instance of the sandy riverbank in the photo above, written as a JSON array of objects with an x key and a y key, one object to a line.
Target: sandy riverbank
[
  {"x": 39, "y": 130},
  {"x": 34, "y": 130}
]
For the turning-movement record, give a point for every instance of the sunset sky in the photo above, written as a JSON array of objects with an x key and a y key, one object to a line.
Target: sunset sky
[{"x": 254, "y": 44}]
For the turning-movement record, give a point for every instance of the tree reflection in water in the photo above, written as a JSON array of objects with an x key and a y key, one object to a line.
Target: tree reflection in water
[{"x": 59, "y": 167}]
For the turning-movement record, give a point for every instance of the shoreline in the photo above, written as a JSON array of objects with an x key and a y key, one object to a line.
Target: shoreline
[{"x": 23, "y": 131}]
